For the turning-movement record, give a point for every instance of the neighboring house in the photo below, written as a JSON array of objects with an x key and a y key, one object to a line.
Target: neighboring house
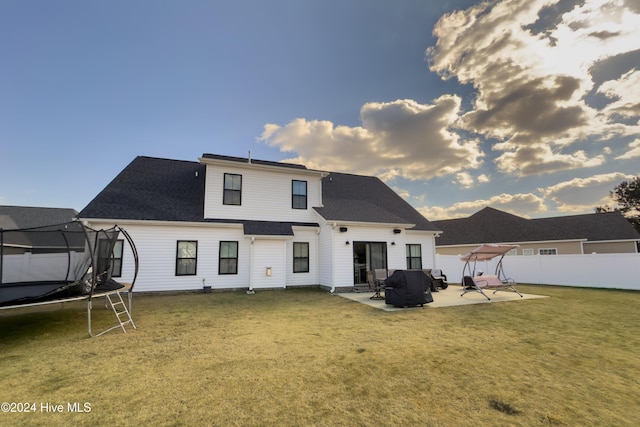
[
  {"x": 230, "y": 222},
  {"x": 18, "y": 217},
  {"x": 12, "y": 217},
  {"x": 606, "y": 232}
]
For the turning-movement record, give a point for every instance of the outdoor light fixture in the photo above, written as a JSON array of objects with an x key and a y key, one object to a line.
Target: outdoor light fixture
[
  {"x": 393, "y": 243},
  {"x": 397, "y": 231},
  {"x": 343, "y": 229},
  {"x": 347, "y": 243}
]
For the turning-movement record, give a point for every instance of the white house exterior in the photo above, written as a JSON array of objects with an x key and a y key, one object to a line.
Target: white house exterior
[{"x": 235, "y": 223}]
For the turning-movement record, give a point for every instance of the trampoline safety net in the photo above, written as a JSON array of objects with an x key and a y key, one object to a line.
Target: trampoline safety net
[{"x": 54, "y": 262}]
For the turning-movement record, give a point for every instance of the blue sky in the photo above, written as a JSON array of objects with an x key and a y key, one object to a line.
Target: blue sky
[{"x": 529, "y": 106}]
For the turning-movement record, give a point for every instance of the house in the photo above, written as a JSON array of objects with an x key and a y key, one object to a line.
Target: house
[
  {"x": 234, "y": 223},
  {"x": 28, "y": 217},
  {"x": 606, "y": 232},
  {"x": 20, "y": 217}
]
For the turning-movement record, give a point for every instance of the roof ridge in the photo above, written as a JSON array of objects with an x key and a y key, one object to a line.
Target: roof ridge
[
  {"x": 250, "y": 160},
  {"x": 615, "y": 212},
  {"x": 165, "y": 158}
]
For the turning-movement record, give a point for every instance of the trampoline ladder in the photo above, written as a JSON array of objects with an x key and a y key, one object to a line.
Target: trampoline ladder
[{"x": 120, "y": 309}]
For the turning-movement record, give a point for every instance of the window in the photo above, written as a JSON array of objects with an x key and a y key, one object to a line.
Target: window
[
  {"x": 552, "y": 251},
  {"x": 527, "y": 252},
  {"x": 232, "y": 189},
  {"x": 300, "y": 257},
  {"x": 186, "y": 258},
  {"x": 299, "y": 194},
  {"x": 111, "y": 259},
  {"x": 414, "y": 257},
  {"x": 228, "y": 258},
  {"x": 116, "y": 268}
]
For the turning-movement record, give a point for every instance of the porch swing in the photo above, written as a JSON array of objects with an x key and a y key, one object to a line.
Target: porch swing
[{"x": 473, "y": 281}]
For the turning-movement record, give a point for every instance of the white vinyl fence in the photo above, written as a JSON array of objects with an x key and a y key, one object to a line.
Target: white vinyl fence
[
  {"x": 48, "y": 267},
  {"x": 615, "y": 271}
]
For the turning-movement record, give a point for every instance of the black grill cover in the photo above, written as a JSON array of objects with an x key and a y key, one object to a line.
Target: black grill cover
[{"x": 406, "y": 288}]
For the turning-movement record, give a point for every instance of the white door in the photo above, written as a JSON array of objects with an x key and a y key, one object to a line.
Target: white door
[{"x": 268, "y": 263}]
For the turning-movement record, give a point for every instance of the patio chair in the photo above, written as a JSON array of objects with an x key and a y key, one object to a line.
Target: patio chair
[
  {"x": 439, "y": 279},
  {"x": 370, "y": 281},
  {"x": 379, "y": 276},
  {"x": 432, "y": 285}
]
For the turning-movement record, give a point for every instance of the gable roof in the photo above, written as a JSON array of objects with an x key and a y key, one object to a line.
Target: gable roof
[
  {"x": 13, "y": 217},
  {"x": 596, "y": 226},
  {"x": 173, "y": 190},
  {"x": 358, "y": 198},
  {"x": 152, "y": 189},
  {"x": 491, "y": 225}
]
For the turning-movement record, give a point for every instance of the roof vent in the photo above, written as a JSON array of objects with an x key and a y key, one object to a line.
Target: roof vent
[{"x": 249, "y": 159}]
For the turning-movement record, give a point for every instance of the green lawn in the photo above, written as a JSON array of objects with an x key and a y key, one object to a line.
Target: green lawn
[{"x": 305, "y": 357}]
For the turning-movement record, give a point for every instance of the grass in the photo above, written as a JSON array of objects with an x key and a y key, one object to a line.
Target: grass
[{"x": 305, "y": 357}]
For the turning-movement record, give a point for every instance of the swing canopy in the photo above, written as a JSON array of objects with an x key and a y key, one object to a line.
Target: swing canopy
[{"x": 488, "y": 251}]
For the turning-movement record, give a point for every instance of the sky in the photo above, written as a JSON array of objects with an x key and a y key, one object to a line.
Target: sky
[{"x": 527, "y": 106}]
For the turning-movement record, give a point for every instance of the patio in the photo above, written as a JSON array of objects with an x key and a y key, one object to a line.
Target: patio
[{"x": 443, "y": 298}]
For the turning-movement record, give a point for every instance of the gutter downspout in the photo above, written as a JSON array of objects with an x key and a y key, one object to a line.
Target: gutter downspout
[{"x": 251, "y": 291}]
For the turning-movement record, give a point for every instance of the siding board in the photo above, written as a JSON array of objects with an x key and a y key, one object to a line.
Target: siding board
[{"x": 266, "y": 195}]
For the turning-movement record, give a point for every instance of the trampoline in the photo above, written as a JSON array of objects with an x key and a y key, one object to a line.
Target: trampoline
[{"x": 66, "y": 262}]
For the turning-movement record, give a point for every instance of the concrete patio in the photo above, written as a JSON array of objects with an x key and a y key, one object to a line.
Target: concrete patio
[{"x": 444, "y": 298}]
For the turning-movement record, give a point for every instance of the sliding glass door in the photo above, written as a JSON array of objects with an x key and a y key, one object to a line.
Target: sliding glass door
[{"x": 367, "y": 256}]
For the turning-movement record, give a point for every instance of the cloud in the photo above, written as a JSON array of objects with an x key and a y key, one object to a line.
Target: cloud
[
  {"x": 518, "y": 204},
  {"x": 402, "y": 138},
  {"x": 405, "y": 194},
  {"x": 537, "y": 159},
  {"x": 536, "y": 108},
  {"x": 556, "y": 86},
  {"x": 634, "y": 151},
  {"x": 466, "y": 180},
  {"x": 580, "y": 194},
  {"x": 483, "y": 178},
  {"x": 574, "y": 196},
  {"x": 530, "y": 62},
  {"x": 625, "y": 93}
]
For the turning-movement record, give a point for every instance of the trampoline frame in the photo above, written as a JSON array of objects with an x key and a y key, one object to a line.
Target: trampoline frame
[{"x": 125, "y": 287}]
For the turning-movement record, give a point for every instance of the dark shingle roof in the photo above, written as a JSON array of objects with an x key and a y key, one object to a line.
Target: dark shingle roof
[
  {"x": 173, "y": 190},
  {"x": 152, "y": 189},
  {"x": 359, "y": 198},
  {"x": 12, "y": 217},
  {"x": 594, "y": 227},
  {"x": 491, "y": 225},
  {"x": 253, "y": 161},
  {"x": 272, "y": 228}
]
